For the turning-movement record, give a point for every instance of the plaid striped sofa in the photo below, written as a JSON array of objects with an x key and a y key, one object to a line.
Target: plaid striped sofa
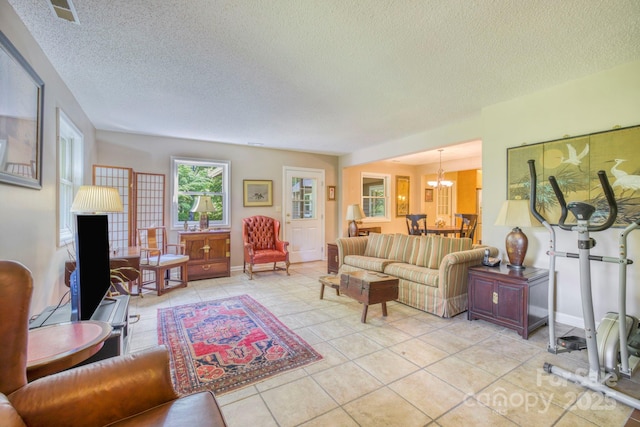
[{"x": 432, "y": 270}]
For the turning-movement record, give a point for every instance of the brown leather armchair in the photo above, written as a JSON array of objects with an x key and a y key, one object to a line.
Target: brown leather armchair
[
  {"x": 129, "y": 390},
  {"x": 262, "y": 244}
]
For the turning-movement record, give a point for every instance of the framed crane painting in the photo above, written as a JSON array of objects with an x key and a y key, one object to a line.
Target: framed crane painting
[{"x": 575, "y": 162}]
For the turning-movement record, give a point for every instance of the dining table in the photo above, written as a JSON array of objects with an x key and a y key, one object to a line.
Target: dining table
[{"x": 444, "y": 230}]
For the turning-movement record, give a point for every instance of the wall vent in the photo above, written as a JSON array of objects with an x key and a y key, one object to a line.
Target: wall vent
[{"x": 64, "y": 9}]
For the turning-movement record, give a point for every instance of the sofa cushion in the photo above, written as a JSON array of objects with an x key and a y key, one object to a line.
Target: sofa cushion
[
  {"x": 379, "y": 245},
  {"x": 402, "y": 248},
  {"x": 442, "y": 246},
  {"x": 423, "y": 251},
  {"x": 367, "y": 262},
  {"x": 413, "y": 273}
]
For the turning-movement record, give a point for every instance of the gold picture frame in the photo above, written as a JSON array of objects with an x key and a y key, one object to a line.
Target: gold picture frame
[
  {"x": 257, "y": 192},
  {"x": 402, "y": 195},
  {"x": 428, "y": 194},
  {"x": 331, "y": 193}
]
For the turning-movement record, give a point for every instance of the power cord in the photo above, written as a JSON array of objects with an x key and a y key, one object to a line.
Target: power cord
[{"x": 60, "y": 304}]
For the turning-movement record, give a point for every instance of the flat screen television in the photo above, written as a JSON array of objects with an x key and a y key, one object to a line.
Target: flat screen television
[{"x": 91, "y": 279}]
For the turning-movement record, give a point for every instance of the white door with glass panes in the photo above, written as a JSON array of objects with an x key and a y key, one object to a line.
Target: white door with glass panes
[
  {"x": 303, "y": 214},
  {"x": 444, "y": 208}
]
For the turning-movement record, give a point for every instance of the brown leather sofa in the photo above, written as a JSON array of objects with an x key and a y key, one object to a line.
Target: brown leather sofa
[{"x": 131, "y": 390}]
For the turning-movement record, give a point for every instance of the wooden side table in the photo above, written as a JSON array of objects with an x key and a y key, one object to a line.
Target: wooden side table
[
  {"x": 364, "y": 231},
  {"x": 209, "y": 253},
  {"x": 58, "y": 347},
  {"x": 332, "y": 258},
  {"x": 516, "y": 299}
]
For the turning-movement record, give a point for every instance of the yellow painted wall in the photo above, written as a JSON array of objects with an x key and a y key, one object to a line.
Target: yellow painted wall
[{"x": 466, "y": 192}]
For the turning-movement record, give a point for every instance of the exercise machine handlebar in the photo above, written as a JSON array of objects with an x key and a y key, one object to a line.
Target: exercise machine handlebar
[
  {"x": 606, "y": 188},
  {"x": 563, "y": 203},
  {"x": 532, "y": 198}
]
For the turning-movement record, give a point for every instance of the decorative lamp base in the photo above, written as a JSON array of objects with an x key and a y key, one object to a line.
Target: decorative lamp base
[
  {"x": 516, "y": 244},
  {"x": 353, "y": 229},
  {"x": 204, "y": 221}
]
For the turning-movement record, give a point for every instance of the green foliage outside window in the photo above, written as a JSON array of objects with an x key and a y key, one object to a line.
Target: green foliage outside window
[{"x": 193, "y": 181}]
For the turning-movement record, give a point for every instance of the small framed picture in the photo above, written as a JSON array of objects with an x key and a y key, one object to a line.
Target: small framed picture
[
  {"x": 428, "y": 194},
  {"x": 331, "y": 192},
  {"x": 258, "y": 192}
]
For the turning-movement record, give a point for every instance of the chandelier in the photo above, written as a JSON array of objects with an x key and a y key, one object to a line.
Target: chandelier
[{"x": 440, "y": 182}]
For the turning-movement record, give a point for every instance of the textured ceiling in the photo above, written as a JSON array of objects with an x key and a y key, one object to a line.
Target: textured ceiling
[{"x": 328, "y": 76}]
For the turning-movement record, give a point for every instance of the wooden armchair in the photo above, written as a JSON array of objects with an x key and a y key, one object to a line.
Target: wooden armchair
[
  {"x": 156, "y": 256},
  {"x": 262, "y": 244}
]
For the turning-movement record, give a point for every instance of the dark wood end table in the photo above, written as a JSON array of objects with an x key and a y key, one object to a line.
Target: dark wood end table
[{"x": 516, "y": 299}]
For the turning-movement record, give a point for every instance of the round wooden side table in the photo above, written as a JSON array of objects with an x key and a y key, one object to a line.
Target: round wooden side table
[{"x": 58, "y": 347}]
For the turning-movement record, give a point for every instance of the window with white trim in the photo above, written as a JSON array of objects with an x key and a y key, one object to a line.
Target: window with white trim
[
  {"x": 375, "y": 195},
  {"x": 198, "y": 177},
  {"x": 70, "y": 173}
]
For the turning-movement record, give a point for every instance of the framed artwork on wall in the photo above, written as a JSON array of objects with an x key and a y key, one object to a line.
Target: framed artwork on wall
[
  {"x": 402, "y": 195},
  {"x": 331, "y": 193},
  {"x": 428, "y": 194},
  {"x": 22, "y": 99},
  {"x": 257, "y": 192},
  {"x": 575, "y": 162}
]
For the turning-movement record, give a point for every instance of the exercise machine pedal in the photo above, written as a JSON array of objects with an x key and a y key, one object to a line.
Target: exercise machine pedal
[{"x": 572, "y": 343}]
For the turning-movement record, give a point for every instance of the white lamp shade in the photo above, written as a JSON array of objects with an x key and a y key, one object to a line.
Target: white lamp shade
[
  {"x": 516, "y": 213},
  {"x": 354, "y": 212},
  {"x": 97, "y": 199},
  {"x": 203, "y": 204}
]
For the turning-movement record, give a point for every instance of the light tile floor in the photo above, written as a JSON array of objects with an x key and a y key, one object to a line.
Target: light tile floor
[{"x": 409, "y": 369}]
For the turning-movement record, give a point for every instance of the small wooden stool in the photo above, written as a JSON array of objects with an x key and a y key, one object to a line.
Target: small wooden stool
[{"x": 331, "y": 281}]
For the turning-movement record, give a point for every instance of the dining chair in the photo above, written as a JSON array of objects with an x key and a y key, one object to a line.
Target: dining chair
[
  {"x": 468, "y": 223},
  {"x": 416, "y": 224}
]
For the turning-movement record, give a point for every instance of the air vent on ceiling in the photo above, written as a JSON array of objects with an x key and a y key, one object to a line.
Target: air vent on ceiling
[{"x": 64, "y": 9}]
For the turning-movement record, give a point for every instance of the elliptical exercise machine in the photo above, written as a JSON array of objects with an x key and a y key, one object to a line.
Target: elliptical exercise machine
[{"x": 611, "y": 350}]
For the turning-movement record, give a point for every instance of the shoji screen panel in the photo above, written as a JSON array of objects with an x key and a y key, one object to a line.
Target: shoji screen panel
[
  {"x": 149, "y": 199},
  {"x": 149, "y": 205},
  {"x": 120, "y": 232}
]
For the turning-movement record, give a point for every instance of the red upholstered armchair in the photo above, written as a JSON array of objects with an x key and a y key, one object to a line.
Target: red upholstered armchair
[{"x": 261, "y": 243}]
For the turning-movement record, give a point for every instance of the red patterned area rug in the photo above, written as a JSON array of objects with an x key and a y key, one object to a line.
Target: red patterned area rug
[{"x": 226, "y": 344}]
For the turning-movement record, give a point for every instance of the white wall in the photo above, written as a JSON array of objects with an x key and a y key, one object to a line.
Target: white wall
[
  {"x": 595, "y": 103},
  {"x": 152, "y": 154},
  {"x": 453, "y": 133},
  {"x": 28, "y": 220}
]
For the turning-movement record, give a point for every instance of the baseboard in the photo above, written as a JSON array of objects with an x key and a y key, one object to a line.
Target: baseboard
[{"x": 576, "y": 322}]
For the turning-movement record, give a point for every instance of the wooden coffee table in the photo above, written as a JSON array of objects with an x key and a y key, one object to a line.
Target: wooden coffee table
[
  {"x": 332, "y": 281},
  {"x": 369, "y": 288}
]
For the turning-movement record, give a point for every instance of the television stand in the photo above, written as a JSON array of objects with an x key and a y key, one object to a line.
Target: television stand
[{"x": 113, "y": 310}]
